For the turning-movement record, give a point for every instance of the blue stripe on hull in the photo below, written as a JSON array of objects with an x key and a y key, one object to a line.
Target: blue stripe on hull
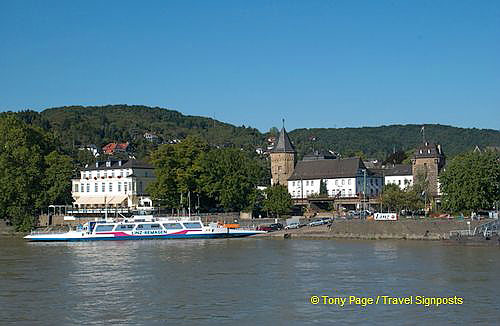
[{"x": 140, "y": 237}]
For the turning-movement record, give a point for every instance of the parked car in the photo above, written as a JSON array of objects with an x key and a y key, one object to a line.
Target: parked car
[
  {"x": 322, "y": 221},
  {"x": 277, "y": 226},
  {"x": 271, "y": 227},
  {"x": 293, "y": 225}
]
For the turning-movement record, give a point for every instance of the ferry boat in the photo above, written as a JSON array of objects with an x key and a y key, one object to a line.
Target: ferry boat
[{"x": 142, "y": 228}]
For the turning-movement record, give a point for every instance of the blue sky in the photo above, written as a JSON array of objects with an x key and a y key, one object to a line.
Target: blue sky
[{"x": 316, "y": 63}]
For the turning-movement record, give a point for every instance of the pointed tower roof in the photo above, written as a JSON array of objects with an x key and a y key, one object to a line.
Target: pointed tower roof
[{"x": 284, "y": 144}]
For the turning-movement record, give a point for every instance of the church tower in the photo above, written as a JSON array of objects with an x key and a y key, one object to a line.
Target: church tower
[
  {"x": 428, "y": 162},
  {"x": 283, "y": 158}
]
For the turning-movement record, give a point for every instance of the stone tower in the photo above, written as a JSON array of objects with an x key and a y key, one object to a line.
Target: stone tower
[
  {"x": 428, "y": 162},
  {"x": 283, "y": 158}
]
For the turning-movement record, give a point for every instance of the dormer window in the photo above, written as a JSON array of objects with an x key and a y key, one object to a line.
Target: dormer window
[
  {"x": 421, "y": 152},
  {"x": 108, "y": 164},
  {"x": 428, "y": 151}
]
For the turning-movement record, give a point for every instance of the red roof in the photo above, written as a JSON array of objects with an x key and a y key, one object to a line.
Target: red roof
[{"x": 111, "y": 148}]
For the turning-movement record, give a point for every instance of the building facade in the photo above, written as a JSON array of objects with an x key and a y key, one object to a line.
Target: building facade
[
  {"x": 120, "y": 184},
  {"x": 398, "y": 174},
  {"x": 343, "y": 178},
  {"x": 283, "y": 159}
]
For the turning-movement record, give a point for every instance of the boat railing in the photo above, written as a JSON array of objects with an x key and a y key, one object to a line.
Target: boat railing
[
  {"x": 463, "y": 233},
  {"x": 38, "y": 232}
]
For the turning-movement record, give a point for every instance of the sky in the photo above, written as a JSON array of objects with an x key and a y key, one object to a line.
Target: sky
[{"x": 318, "y": 64}]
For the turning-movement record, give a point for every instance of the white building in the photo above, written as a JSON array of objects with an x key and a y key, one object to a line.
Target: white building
[
  {"x": 345, "y": 178},
  {"x": 120, "y": 184},
  {"x": 399, "y": 174}
]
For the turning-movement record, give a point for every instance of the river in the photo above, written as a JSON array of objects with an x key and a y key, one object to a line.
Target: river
[{"x": 244, "y": 281}]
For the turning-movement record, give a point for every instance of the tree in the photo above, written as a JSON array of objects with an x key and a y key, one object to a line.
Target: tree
[
  {"x": 323, "y": 191},
  {"x": 393, "y": 198},
  {"x": 176, "y": 172},
  {"x": 230, "y": 177},
  {"x": 22, "y": 169},
  {"x": 278, "y": 201},
  {"x": 471, "y": 182},
  {"x": 56, "y": 182}
]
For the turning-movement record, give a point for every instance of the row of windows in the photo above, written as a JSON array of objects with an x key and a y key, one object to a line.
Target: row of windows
[
  {"x": 340, "y": 192},
  {"x": 112, "y": 174},
  {"x": 406, "y": 182},
  {"x": 148, "y": 226},
  {"x": 126, "y": 186},
  {"x": 372, "y": 182}
]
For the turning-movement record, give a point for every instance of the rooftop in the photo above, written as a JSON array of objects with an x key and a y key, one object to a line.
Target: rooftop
[
  {"x": 284, "y": 144},
  {"x": 119, "y": 164},
  {"x": 328, "y": 169}
]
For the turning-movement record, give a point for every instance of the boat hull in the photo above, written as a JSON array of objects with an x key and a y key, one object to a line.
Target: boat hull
[{"x": 70, "y": 238}]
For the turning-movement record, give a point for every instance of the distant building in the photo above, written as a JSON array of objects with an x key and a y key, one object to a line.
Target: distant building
[
  {"x": 344, "y": 178},
  {"x": 283, "y": 159},
  {"x": 150, "y": 136},
  {"x": 428, "y": 162},
  {"x": 398, "y": 174},
  {"x": 91, "y": 148},
  {"x": 114, "y": 148},
  {"x": 113, "y": 184}
]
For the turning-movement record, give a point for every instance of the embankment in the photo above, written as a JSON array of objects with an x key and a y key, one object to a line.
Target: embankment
[{"x": 422, "y": 229}]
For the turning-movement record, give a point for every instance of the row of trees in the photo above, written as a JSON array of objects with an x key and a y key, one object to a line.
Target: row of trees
[
  {"x": 216, "y": 178},
  {"x": 33, "y": 173}
]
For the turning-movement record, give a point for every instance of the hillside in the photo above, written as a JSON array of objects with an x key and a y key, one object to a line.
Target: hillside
[
  {"x": 377, "y": 142},
  {"x": 77, "y": 125}
]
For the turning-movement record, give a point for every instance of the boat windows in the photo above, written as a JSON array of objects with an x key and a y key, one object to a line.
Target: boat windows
[
  {"x": 148, "y": 227},
  {"x": 192, "y": 225},
  {"x": 172, "y": 226},
  {"x": 104, "y": 228},
  {"x": 125, "y": 227}
]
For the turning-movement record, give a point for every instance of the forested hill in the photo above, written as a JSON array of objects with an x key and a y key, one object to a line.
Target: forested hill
[
  {"x": 377, "y": 142},
  {"x": 76, "y": 126}
]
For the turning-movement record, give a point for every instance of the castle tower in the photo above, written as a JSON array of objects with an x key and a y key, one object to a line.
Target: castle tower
[
  {"x": 283, "y": 158},
  {"x": 428, "y": 162}
]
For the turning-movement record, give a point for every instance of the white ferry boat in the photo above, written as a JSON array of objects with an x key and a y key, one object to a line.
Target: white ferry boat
[{"x": 144, "y": 227}]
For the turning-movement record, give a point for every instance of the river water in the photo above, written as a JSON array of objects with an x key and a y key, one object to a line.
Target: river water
[{"x": 244, "y": 281}]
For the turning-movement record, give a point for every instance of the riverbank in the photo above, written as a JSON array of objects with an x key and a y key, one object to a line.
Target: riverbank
[{"x": 424, "y": 229}]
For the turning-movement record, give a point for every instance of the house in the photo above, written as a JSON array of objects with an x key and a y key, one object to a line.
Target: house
[
  {"x": 113, "y": 148},
  {"x": 91, "y": 148},
  {"x": 344, "y": 178},
  {"x": 108, "y": 184},
  {"x": 150, "y": 136},
  {"x": 398, "y": 174}
]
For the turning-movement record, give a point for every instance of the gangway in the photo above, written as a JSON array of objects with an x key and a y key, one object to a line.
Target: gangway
[{"x": 487, "y": 229}]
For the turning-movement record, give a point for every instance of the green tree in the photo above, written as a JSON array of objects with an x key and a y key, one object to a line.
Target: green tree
[
  {"x": 230, "y": 177},
  {"x": 393, "y": 198},
  {"x": 22, "y": 167},
  {"x": 56, "y": 182},
  {"x": 471, "y": 182},
  {"x": 323, "y": 191},
  {"x": 278, "y": 201},
  {"x": 176, "y": 171}
]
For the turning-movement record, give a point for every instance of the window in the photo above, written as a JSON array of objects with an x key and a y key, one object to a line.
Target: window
[
  {"x": 399, "y": 182},
  {"x": 140, "y": 186},
  {"x": 293, "y": 184},
  {"x": 110, "y": 187},
  {"x": 124, "y": 227},
  {"x": 125, "y": 186},
  {"x": 98, "y": 174},
  {"x": 121, "y": 173},
  {"x": 192, "y": 225},
  {"x": 428, "y": 151},
  {"x": 307, "y": 183},
  {"x": 103, "y": 187},
  {"x": 112, "y": 174},
  {"x": 76, "y": 187},
  {"x": 96, "y": 187},
  {"x": 343, "y": 182},
  {"x": 105, "y": 174},
  {"x": 348, "y": 181},
  {"x": 133, "y": 186},
  {"x": 81, "y": 187},
  {"x": 119, "y": 186},
  {"x": 104, "y": 228},
  {"x": 149, "y": 226},
  {"x": 172, "y": 226},
  {"x": 420, "y": 151},
  {"x": 88, "y": 187},
  {"x": 336, "y": 182}
]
